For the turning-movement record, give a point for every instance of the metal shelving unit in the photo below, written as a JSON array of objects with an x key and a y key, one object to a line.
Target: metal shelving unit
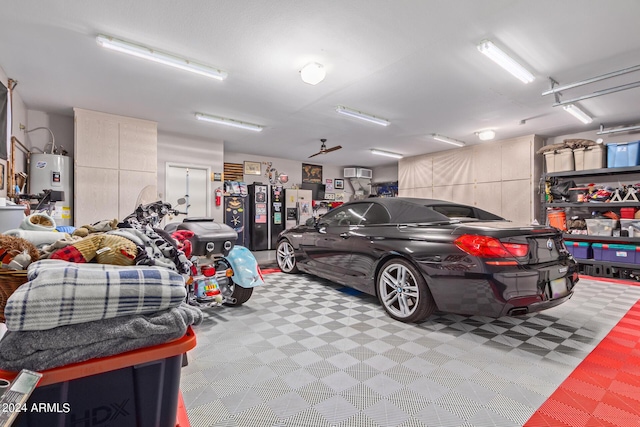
[
  {"x": 595, "y": 172},
  {"x": 593, "y": 205},
  {"x": 600, "y": 239},
  {"x": 592, "y": 266}
]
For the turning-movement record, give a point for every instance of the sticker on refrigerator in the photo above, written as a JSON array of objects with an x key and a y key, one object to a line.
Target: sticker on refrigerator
[{"x": 261, "y": 213}]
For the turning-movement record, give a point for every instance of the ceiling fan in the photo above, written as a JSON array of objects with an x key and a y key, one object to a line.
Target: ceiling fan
[{"x": 324, "y": 149}]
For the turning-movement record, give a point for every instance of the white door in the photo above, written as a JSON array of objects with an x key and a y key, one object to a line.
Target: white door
[{"x": 191, "y": 183}]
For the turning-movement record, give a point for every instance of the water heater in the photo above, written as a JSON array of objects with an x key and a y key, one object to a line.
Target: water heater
[{"x": 53, "y": 172}]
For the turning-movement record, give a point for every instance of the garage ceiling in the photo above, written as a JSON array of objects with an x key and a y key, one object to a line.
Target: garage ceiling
[{"x": 414, "y": 63}]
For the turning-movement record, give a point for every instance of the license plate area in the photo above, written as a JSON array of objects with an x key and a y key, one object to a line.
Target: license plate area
[{"x": 557, "y": 288}]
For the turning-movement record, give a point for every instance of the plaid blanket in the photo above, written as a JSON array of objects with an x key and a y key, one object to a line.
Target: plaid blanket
[
  {"x": 62, "y": 293},
  {"x": 39, "y": 350}
]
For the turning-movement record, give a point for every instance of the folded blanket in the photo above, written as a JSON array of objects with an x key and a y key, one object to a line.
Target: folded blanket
[
  {"x": 38, "y": 238},
  {"x": 62, "y": 293},
  {"x": 39, "y": 350}
]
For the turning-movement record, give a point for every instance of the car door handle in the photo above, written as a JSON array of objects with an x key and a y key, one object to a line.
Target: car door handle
[{"x": 345, "y": 235}]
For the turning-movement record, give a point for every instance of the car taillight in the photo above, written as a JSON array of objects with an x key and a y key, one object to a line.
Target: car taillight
[
  {"x": 517, "y": 249},
  {"x": 490, "y": 247}
]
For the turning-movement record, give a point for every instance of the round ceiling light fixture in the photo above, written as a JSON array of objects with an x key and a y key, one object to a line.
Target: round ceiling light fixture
[
  {"x": 486, "y": 135},
  {"x": 313, "y": 73}
]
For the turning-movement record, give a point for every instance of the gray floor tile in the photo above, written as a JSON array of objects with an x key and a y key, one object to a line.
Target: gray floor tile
[{"x": 302, "y": 353}]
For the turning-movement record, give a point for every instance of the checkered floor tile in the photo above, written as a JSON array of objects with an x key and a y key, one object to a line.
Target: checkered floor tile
[{"x": 306, "y": 352}]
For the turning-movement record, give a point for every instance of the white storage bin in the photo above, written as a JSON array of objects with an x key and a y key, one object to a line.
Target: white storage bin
[
  {"x": 593, "y": 157},
  {"x": 559, "y": 160}
]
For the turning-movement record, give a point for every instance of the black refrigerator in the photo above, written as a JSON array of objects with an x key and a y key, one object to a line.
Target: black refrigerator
[
  {"x": 236, "y": 214},
  {"x": 266, "y": 215}
]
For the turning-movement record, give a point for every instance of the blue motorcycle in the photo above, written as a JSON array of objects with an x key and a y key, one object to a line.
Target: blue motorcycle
[{"x": 222, "y": 272}]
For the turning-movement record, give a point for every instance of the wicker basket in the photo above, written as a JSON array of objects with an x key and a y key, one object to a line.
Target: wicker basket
[{"x": 10, "y": 280}]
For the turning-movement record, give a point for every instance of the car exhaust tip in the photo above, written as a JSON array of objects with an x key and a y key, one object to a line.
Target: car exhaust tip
[{"x": 518, "y": 311}]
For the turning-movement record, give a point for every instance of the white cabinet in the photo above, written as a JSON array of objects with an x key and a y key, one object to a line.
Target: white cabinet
[
  {"x": 500, "y": 177},
  {"x": 115, "y": 158}
]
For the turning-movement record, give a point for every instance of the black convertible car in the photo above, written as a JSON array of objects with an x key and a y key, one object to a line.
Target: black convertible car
[{"x": 419, "y": 255}]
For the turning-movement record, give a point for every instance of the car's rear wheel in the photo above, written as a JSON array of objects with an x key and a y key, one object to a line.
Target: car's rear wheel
[
  {"x": 403, "y": 291},
  {"x": 286, "y": 257}
]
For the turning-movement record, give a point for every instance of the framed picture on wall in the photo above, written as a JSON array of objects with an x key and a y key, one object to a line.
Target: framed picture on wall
[
  {"x": 252, "y": 168},
  {"x": 311, "y": 173},
  {"x": 338, "y": 184}
]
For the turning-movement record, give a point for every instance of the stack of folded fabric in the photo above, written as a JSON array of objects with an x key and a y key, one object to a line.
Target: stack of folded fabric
[{"x": 71, "y": 312}]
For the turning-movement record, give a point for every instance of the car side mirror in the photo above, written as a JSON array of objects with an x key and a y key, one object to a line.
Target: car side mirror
[{"x": 311, "y": 222}]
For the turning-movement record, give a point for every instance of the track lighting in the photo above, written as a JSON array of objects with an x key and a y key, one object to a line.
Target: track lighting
[
  {"x": 362, "y": 116},
  {"x": 505, "y": 61},
  {"x": 576, "y": 112},
  {"x": 313, "y": 73},
  {"x": 228, "y": 122},
  {"x": 160, "y": 57},
  {"x": 448, "y": 140},
  {"x": 386, "y": 153}
]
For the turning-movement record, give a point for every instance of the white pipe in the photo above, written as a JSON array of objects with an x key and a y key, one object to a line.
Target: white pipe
[{"x": 53, "y": 138}]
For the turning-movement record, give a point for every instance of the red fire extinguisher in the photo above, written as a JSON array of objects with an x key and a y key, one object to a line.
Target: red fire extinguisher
[{"x": 218, "y": 196}]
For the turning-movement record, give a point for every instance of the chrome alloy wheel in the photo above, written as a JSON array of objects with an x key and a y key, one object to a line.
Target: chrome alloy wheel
[
  {"x": 399, "y": 292},
  {"x": 286, "y": 258}
]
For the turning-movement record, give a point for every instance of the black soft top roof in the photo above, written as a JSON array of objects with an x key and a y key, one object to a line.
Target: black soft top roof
[{"x": 412, "y": 210}]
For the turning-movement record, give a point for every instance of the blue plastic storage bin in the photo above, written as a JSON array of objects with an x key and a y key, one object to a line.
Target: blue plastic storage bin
[
  {"x": 629, "y": 254},
  {"x": 579, "y": 250},
  {"x": 623, "y": 155}
]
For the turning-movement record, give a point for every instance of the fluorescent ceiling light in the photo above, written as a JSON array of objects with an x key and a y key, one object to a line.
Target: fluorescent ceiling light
[
  {"x": 313, "y": 73},
  {"x": 505, "y": 61},
  {"x": 576, "y": 112},
  {"x": 362, "y": 116},
  {"x": 486, "y": 135},
  {"x": 447, "y": 140},
  {"x": 386, "y": 153},
  {"x": 160, "y": 57},
  {"x": 228, "y": 122}
]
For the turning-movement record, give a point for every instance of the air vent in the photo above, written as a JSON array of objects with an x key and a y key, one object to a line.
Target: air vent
[
  {"x": 350, "y": 172},
  {"x": 364, "y": 173},
  {"x": 358, "y": 173}
]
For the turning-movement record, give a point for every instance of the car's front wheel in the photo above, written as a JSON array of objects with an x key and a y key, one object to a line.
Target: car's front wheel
[
  {"x": 403, "y": 291},
  {"x": 286, "y": 257}
]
